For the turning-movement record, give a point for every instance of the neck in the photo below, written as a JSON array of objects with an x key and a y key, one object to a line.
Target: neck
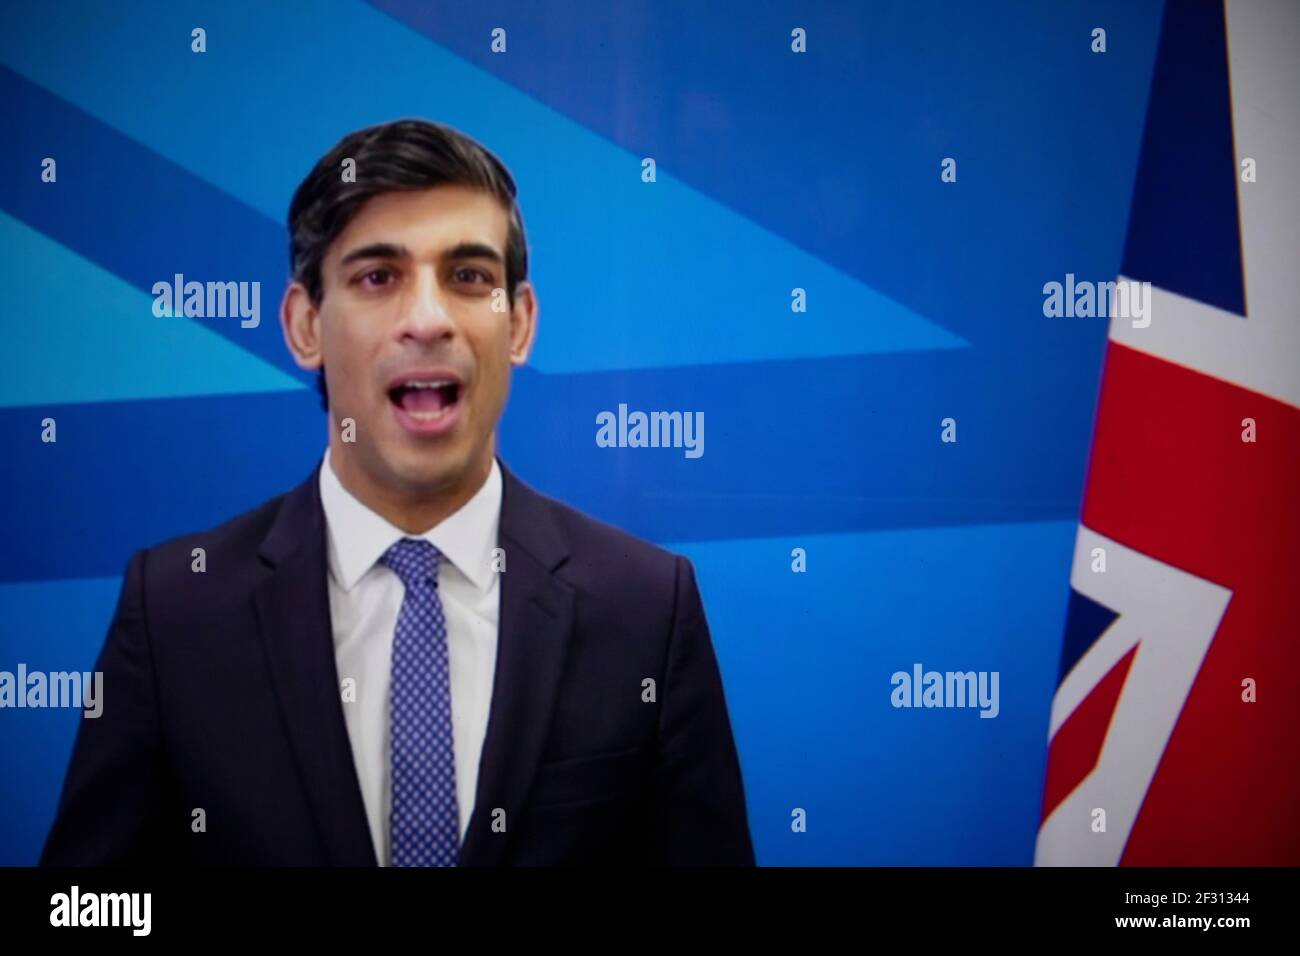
[{"x": 414, "y": 510}]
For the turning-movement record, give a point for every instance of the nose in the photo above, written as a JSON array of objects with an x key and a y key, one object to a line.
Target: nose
[{"x": 425, "y": 316}]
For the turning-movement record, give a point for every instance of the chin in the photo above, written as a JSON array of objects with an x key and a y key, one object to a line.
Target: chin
[
  {"x": 429, "y": 469},
  {"x": 428, "y": 472}
]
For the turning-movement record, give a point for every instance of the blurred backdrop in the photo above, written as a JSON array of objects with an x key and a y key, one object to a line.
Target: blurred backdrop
[{"x": 774, "y": 171}]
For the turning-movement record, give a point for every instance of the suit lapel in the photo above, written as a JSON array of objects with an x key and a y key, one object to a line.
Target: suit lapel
[
  {"x": 294, "y": 619},
  {"x": 534, "y": 628}
]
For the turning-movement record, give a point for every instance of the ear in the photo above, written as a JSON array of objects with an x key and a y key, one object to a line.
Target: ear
[
  {"x": 300, "y": 323},
  {"x": 523, "y": 323}
]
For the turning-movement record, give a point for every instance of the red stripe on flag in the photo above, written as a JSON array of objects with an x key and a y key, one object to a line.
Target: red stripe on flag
[
  {"x": 1171, "y": 477},
  {"x": 1078, "y": 742}
]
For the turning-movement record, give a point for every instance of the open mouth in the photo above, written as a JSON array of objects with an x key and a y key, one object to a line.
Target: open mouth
[{"x": 426, "y": 400}]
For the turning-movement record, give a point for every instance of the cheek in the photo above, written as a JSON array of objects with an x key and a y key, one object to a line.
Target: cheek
[
  {"x": 349, "y": 351},
  {"x": 492, "y": 352},
  {"x": 501, "y": 365}
]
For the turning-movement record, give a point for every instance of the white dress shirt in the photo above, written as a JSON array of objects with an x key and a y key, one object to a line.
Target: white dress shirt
[{"x": 365, "y": 598}]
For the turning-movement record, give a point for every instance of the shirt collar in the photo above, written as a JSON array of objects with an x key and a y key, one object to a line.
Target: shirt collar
[{"x": 358, "y": 537}]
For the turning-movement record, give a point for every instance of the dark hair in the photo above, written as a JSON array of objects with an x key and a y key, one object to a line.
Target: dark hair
[{"x": 407, "y": 154}]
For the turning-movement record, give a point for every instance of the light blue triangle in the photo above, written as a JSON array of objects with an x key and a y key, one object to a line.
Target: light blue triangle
[
  {"x": 629, "y": 274},
  {"x": 77, "y": 333}
]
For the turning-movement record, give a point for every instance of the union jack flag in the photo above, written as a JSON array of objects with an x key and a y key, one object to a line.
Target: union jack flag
[{"x": 1175, "y": 728}]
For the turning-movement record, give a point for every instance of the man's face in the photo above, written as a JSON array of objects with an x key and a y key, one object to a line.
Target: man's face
[{"x": 412, "y": 348}]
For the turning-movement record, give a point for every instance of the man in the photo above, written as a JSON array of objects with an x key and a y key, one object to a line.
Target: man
[{"x": 412, "y": 658}]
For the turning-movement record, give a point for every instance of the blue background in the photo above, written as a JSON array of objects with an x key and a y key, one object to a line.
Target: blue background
[{"x": 775, "y": 171}]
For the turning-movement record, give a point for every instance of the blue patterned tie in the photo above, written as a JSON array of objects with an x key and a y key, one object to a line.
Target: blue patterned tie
[{"x": 425, "y": 823}]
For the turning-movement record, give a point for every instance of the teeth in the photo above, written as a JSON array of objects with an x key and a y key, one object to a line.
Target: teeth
[
  {"x": 429, "y": 416},
  {"x": 437, "y": 383}
]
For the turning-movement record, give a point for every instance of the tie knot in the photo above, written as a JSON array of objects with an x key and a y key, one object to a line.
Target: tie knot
[{"x": 414, "y": 560}]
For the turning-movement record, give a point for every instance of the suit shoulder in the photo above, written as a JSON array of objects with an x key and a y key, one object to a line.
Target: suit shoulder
[
  {"x": 233, "y": 543},
  {"x": 609, "y": 551}
]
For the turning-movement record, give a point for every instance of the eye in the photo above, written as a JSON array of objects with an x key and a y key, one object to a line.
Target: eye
[
  {"x": 470, "y": 274},
  {"x": 373, "y": 278}
]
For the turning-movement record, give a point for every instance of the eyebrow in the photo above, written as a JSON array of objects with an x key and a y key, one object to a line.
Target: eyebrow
[{"x": 390, "y": 250}]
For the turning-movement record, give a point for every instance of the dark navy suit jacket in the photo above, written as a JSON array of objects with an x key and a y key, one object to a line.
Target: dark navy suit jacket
[{"x": 221, "y": 694}]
